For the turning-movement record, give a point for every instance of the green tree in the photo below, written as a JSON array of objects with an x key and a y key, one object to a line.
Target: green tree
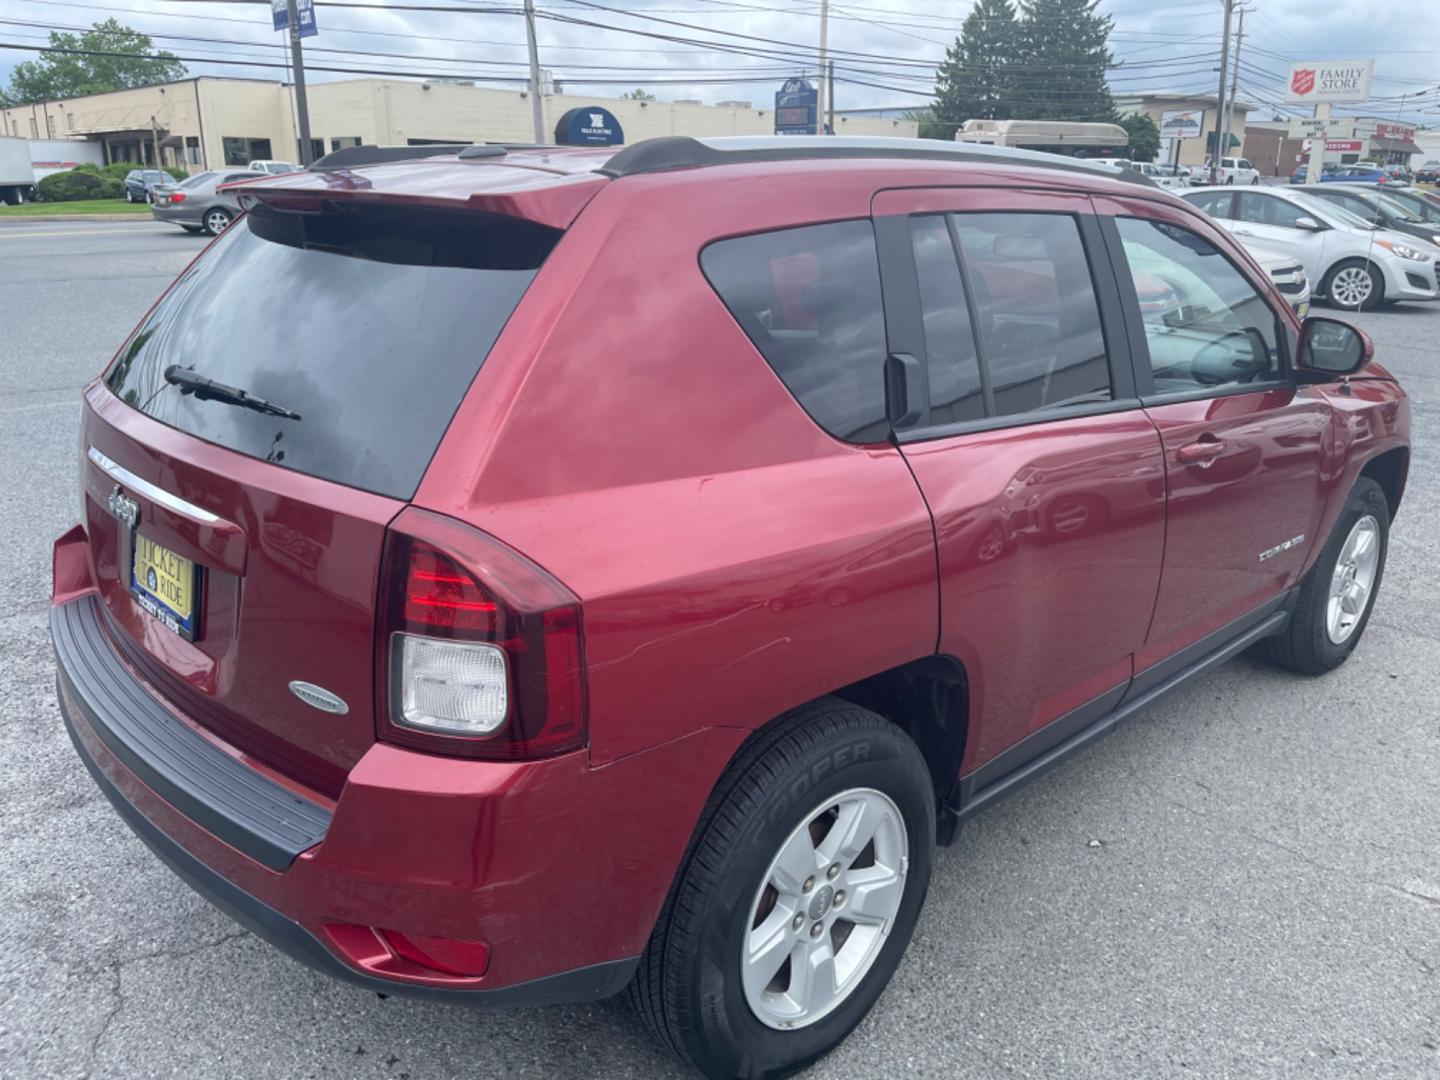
[
  {"x": 1144, "y": 136},
  {"x": 1061, "y": 61},
  {"x": 974, "y": 81},
  {"x": 637, "y": 95},
  {"x": 69, "y": 74}
]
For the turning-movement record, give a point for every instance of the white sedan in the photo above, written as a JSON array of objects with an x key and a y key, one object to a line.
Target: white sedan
[{"x": 1349, "y": 262}]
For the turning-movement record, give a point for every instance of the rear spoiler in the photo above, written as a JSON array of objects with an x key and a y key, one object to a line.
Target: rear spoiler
[{"x": 554, "y": 202}]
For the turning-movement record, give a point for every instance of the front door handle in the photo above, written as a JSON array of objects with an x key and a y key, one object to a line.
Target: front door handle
[{"x": 1202, "y": 453}]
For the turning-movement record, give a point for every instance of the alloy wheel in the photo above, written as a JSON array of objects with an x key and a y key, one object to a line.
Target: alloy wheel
[
  {"x": 824, "y": 908},
  {"x": 216, "y": 221},
  {"x": 1353, "y": 579},
  {"x": 1351, "y": 287}
]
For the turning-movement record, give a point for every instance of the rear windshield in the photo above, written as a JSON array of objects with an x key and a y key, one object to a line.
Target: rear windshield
[
  {"x": 196, "y": 180},
  {"x": 367, "y": 324}
]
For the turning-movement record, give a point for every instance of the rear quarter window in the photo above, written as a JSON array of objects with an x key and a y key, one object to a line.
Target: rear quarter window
[{"x": 809, "y": 299}]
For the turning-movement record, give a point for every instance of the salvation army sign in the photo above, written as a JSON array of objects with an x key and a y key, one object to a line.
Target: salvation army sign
[
  {"x": 589, "y": 125},
  {"x": 1329, "y": 81}
]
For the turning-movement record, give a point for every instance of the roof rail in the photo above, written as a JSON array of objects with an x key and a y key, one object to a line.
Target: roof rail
[{"x": 684, "y": 152}]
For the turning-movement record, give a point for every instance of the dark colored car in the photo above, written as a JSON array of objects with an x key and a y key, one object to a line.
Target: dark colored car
[
  {"x": 200, "y": 203},
  {"x": 1358, "y": 174},
  {"x": 1379, "y": 207},
  {"x": 1429, "y": 173},
  {"x": 1422, "y": 204},
  {"x": 140, "y": 184},
  {"x": 499, "y": 582}
]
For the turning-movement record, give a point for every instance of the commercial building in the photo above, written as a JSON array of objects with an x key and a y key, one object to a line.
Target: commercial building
[
  {"x": 209, "y": 122},
  {"x": 1198, "y": 111},
  {"x": 1273, "y": 151}
]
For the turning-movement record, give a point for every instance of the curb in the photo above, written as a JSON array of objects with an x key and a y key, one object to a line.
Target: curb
[{"x": 5, "y": 219}]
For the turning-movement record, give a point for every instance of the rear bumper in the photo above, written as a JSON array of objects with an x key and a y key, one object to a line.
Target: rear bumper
[
  {"x": 585, "y": 984},
  {"x": 176, "y": 215},
  {"x": 557, "y": 867}
]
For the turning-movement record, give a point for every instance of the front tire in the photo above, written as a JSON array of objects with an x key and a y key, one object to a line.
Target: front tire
[
  {"x": 216, "y": 221},
  {"x": 1355, "y": 285},
  {"x": 797, "y": 896},
  {"x": 1338, "y": 594}
]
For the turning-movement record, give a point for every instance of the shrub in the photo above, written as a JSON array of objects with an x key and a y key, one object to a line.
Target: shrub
[{"x": 82, "y": 182}]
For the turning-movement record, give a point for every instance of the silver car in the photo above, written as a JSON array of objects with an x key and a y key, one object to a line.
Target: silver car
[{"x": 196, "y": 206}]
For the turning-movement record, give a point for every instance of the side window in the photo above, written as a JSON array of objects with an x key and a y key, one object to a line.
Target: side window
[
  {"x": 1206, "y": 326},
  {"x": 1039, "y": 322},
  {"x": 1360, "y": 208},
  {"x": 1214, "y": 203},
  {"x": 809, "y": 298},
  {"x": 955, "y": 389},
  {"x": 1244, "y": 164},
  {"x": 1269, "y": 210}
]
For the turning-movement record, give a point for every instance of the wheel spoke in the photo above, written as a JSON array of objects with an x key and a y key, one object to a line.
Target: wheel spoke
[
  {"x": 796, "y": 862},
  {"x": 812, "y": 976},
  {"x": 769, "y": 945},
  {"x": 853, "y": 829},
  {"x": 873, "y": 895}
]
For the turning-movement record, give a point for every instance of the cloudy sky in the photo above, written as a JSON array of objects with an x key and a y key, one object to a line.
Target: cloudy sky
[{"x": 717, "y": 50}]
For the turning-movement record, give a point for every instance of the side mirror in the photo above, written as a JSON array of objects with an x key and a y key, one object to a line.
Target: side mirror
[
  {"x": 1332, "y": 349},
  {"x": 1308, "y": 223}
]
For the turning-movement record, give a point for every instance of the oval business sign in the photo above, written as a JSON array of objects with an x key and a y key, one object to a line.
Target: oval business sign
[{"x": 589, "y": 125}]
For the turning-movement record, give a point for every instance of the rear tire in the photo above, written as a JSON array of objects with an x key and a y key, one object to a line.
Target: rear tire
[
  {"x": 1309, "y": 643},
  {"x": 703, "y": 986},
  {"x": 1354, "y": 285}
]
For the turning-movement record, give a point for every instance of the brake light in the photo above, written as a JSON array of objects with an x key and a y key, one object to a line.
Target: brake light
[
  {"x": 480, "y": 651},
  {"x": 176, "y": 196}
]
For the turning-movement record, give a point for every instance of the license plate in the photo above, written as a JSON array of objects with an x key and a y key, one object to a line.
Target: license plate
[{"x": 166, "y": 585}]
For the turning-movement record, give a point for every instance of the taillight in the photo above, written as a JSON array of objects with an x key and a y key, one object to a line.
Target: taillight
[
  {"x": 176, "y": 196},
  {"x": 480, "y": 650}
]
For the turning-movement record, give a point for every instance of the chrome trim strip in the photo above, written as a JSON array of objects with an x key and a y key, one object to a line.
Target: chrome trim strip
[{"x": 158, "y": 495}]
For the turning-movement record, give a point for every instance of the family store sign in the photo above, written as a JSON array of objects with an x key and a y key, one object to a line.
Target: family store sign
[{"x": 1330, "y": 81}]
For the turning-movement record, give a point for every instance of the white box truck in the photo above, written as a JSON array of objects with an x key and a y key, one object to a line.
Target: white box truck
[{"x": 17, "y": 174}]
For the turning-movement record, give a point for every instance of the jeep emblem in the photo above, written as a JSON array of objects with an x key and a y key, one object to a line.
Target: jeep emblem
[
  {"x": 318, "y": 697},
  {"x": 124, "y": 507}
]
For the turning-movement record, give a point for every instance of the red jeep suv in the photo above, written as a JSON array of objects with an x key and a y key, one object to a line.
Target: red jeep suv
[{"x": 521, "y": 575}]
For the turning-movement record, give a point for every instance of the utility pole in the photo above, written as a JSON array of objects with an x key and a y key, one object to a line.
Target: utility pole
[
  {"x": 1235, "y": 76},
  {"x": 537, "y": 107},
  {"x": 830, "y": 100},
  {"x": 302, "y": 105},
  {"x": 1220, "y": 132},
  {"x": 824, "y": 59}
]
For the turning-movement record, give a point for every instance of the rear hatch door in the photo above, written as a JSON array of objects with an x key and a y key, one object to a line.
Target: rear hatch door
[{"x": 249, "y": 444}]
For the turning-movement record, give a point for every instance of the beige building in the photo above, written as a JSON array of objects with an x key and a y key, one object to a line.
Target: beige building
[
  {"x": 209, "y": 122},
  {"x": 1192, "y": 151}
]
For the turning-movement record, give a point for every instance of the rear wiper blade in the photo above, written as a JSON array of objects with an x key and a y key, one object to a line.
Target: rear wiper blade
[{"x": 207, "y": 389}]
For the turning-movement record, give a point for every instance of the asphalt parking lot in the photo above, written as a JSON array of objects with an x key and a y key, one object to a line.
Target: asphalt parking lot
[{"x": 1243, "y": 882}]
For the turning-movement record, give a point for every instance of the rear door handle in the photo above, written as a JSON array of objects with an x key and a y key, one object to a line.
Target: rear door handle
[{"x": 1202, "y": 453}]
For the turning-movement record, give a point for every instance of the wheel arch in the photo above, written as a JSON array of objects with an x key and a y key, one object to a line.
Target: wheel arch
[{"x": 1390, "y": 470}]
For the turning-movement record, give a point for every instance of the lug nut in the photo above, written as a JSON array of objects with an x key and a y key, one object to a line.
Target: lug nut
[
  {"x": 839, "y": 898},
  {"x": 797, "y": 922},
  {"x": 833, "y": 872},
  {"x": 809, "y": 884},
  {"x": 816, "y": 930}
]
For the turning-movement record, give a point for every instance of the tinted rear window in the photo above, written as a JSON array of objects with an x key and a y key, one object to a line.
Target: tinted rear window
[{"x": 370, "y": 323}]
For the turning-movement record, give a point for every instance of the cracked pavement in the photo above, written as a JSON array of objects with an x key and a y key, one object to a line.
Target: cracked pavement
[{"x": 1244, "y": 881}]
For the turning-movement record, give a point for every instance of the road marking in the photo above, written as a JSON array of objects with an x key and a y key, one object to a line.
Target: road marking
[{"x": 6, "y": 234}]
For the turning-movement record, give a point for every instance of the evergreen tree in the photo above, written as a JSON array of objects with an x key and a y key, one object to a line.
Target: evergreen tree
[
  {"x": 974, "y": 81},
  {"x": 1060, "y": 62}
]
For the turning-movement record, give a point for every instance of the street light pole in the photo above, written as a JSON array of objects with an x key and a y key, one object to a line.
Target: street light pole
[
  {"x": 302, "y": 105},
  {"x": 537, "y": 107}
]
